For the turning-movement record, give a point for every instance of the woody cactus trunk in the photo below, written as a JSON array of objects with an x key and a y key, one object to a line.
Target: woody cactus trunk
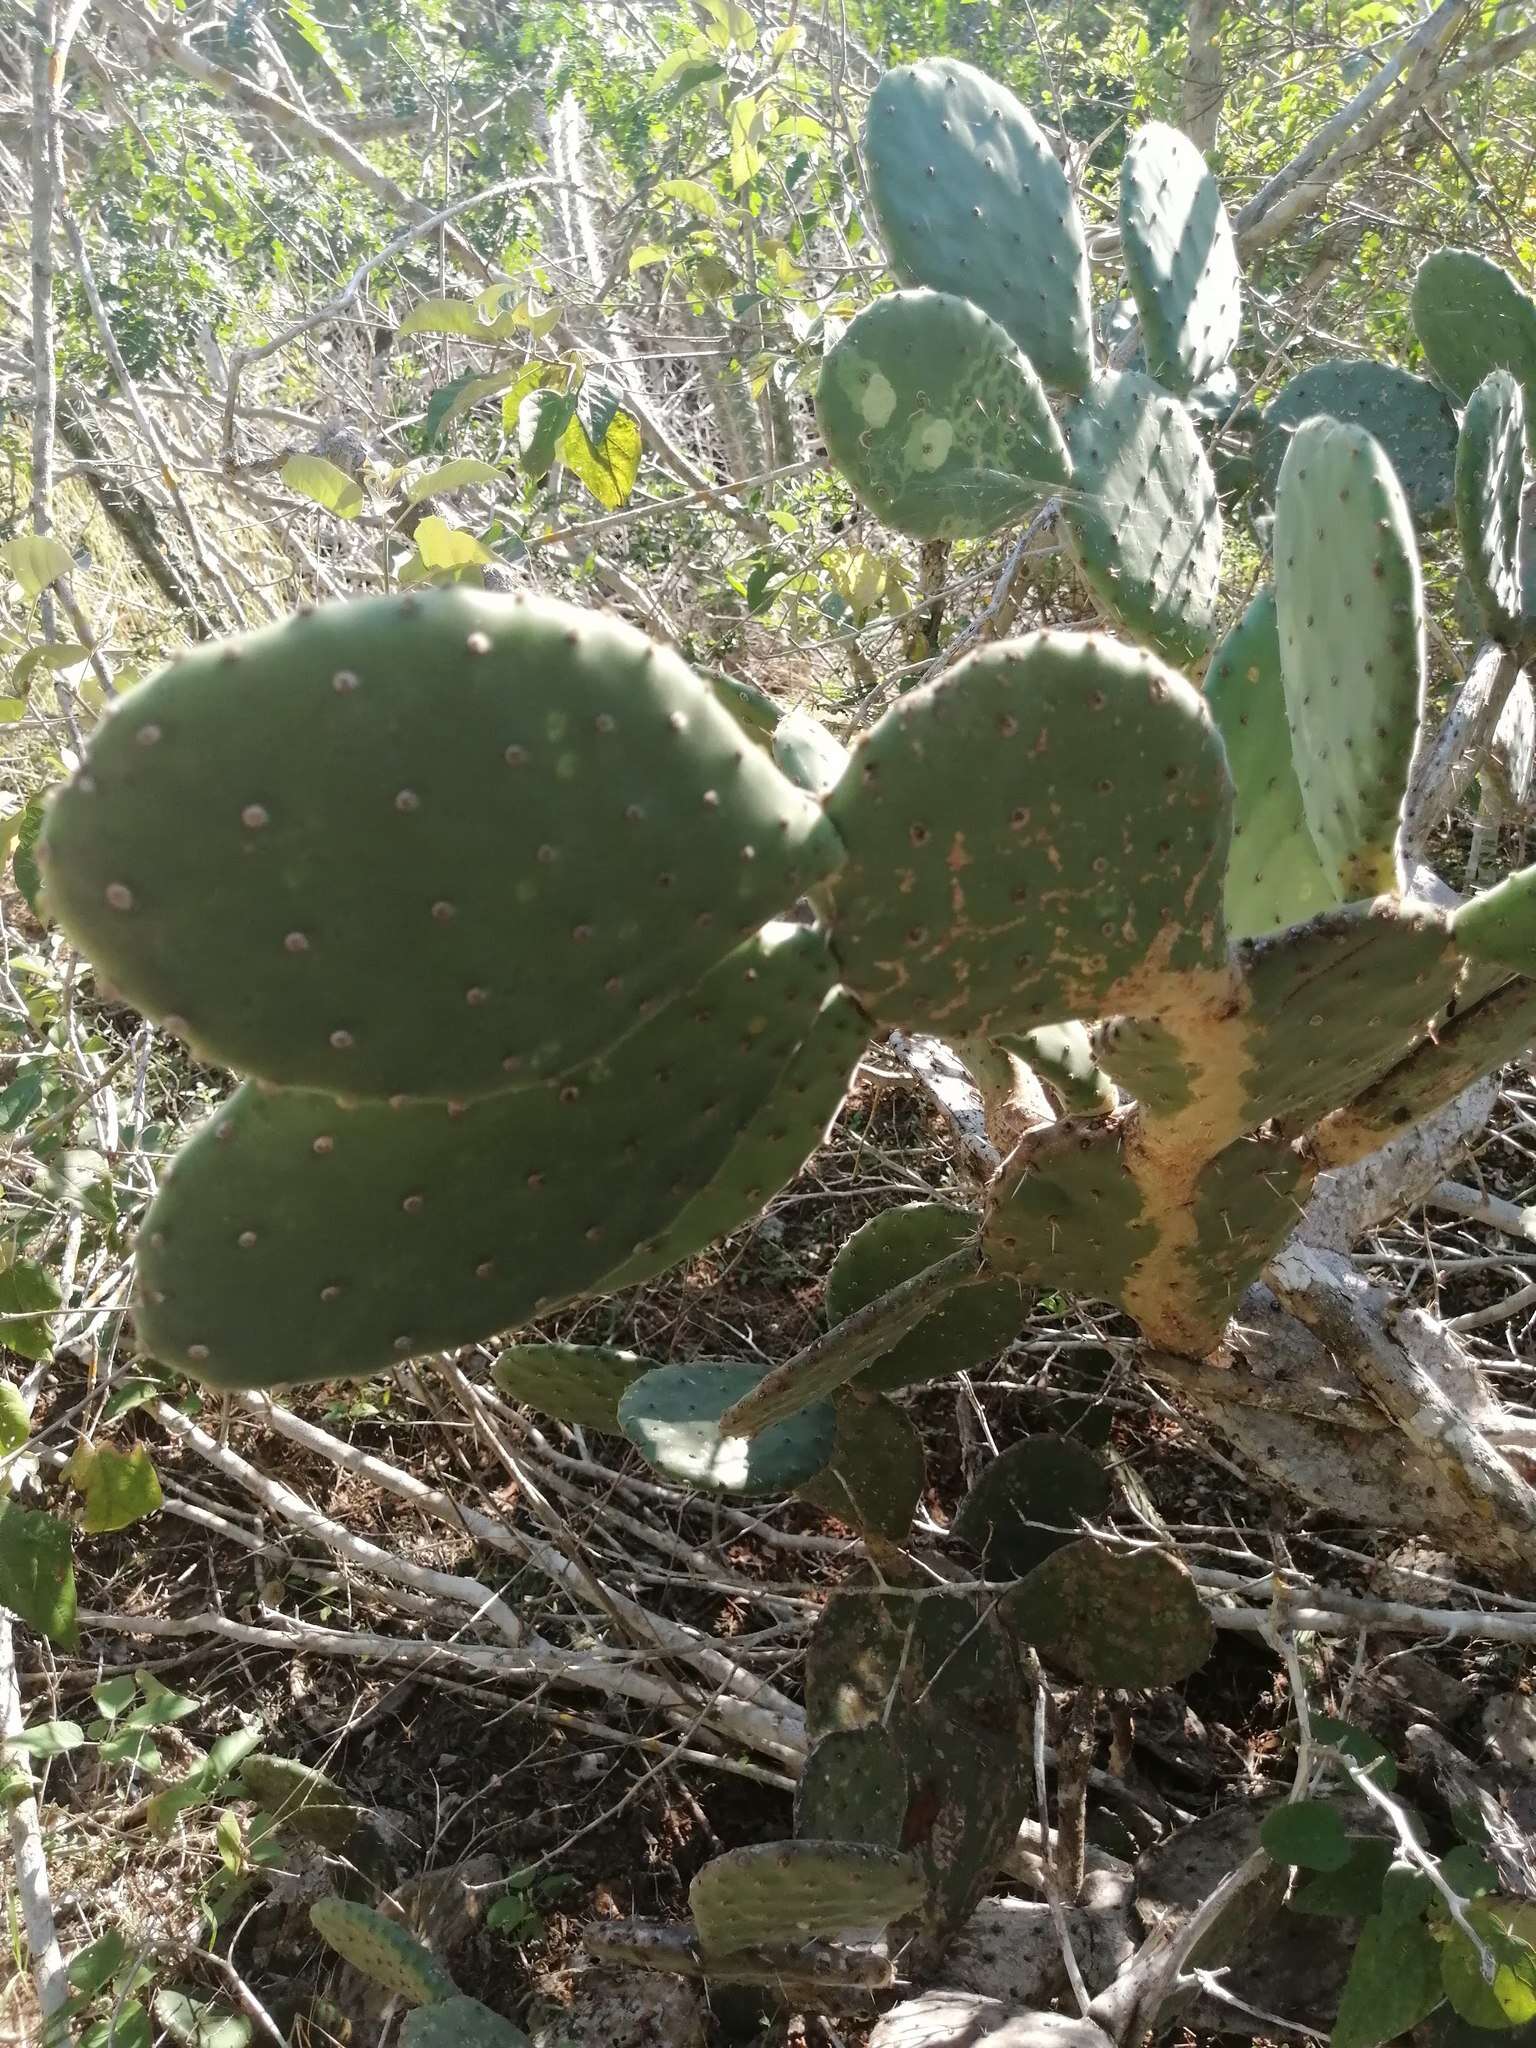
[{"x": 490, "y": 899}]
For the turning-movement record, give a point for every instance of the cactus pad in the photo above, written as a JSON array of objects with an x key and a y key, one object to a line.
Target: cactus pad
[
  {"x": 1248, "y": 1200},
  {"x": 769, "y": 1150},
  {"x": 1405, "y": 415},
  {"x": 1500, "y": 925},
  {"x": 1351, "y": 616},
  {"x": 459, "y": 2023},
  {"x": 1337, "y": 1001},
  {"x": 772, "y": 1891},
  {"x": 1471, "y": 317},
  {"x": 1147, "y": 1062},
  {"x": 1179, "y": 256},
  {"x": 294, "y": 1239},
  {"x": 672, "y": 1415},
  {"x": 753, "y": 709},
  {"x": 854, "y": 1788},
  {"x": 936, "y": 419},
  {"x": 1029, "y": 1502},
  {"x": 1490, "y": 486},
  {"x": 1063, "y": 1057},
  {"x": 970, "y": 199},
  {"x": 302, "y": 1801},
  {"x": 807, "y": 752},
  {"x": 972, "y": 1326},
  {"x": 262, "y": 834},
  {"x": 1275, "y": 875},
  {"x": 1142, "y": 514},
  {"x": 382, "y": 1950},
  {"x": 1066, "y": 1214},
  {"x": 877, "y": 1469},
  {"x": 577, "y": 1383},
  {"x": 1039, "y": 834},
  {"x": 1113, "y": 1617}
]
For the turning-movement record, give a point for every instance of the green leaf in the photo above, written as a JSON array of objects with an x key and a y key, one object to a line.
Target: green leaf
[
  {"x": 230, "y": 1843},
  {"x": 11, "y": 709},
  {"x": 130, "y": 1746},
  {"x": 1307, "y": 1832},
  {"x": 542, "y": 418},
  {"x": 24, "y": 866},
  {"x": 1393, "y": 1983},
  {"x": 442, "y": 546},
  {"x": 118, "y": 1487},
  {"x": 323, "y": 47},
  {"x": 114, "y": 1694},
  {"x": 161, "y": 1705},
  {"x": 48, "y": 1738},
  {"x": 37, "y": 1573},
  {"x": 515, "y": 1916},
  {"x": 28, "y": 1295},
  {"x": 126, "y": 2026},
  {"x": 315, "y": 478},
  {"x": 1351, "y": 1890},
  {"x": 704, "y": 199},
  {"x": 1360, "y": 1748},
  {"x": 453, "y": 476},
  {"x": 456, "y": 316},
  {"x": 1467, "y": 1872},
  {"x": 193, "y": 2022},
  {"x": 202, "y": 1781},
  {"x": 15, "y": 1418},
  {"x": 609, "y": 466},
  {"x": 94, "y": 1967},
  {"x": 1507, "y": 1927},
  {"x": 36, "y": 560}
]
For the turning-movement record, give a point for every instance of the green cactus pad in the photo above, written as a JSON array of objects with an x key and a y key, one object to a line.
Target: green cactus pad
[
  {"x": 936, "y": 419},
  {"x": 772, "y": 1891},
  {"x": 1405, "y": 415},
  {"x": 1491, "y": 475},
  {"x": 1350, "y": 610},
  {"x": 1024, "y": 833},
  {"x": 577, "y": 1383},
  {"x": 1471, "y": 317},
  {"x": 940, "y": 1678},
  {"x": 382, "y": 1950},
  {"x": 770, "y": 1149},
  {"x": 1147, "y": 1062},
  {"x": 1248, "y": 1200},
  {"x": 672, "y": 1416},
  {"x": 331, "y": 850},
  {"x": 1063, "y": 1057},
  {"x": 807, "y": 752},
  {"x": 1275, "y": 875},
  {"x": 297, "y": 1240},
  {"x": 459, "y": 2023},
  {"x": 1029, "y": 1502},
  {"x": 1179, "y": 257},
  {"x": 1113, "y": 1617},
  {"x": 1067, "y": 1214},
  {"x": 302, "y": 1801},
  {"x": 1337, "y": 1001},
  {"x": 1142, "y": 514},
  {"x": 970, "y": 199},
  {"x": 1500, "y": 925},
  {"x": 753, "y": 709},
  {"x": 854, "y": 1788},
  {"x": 965, "y": 1331},
  {"x": 877, "y": 1469}
]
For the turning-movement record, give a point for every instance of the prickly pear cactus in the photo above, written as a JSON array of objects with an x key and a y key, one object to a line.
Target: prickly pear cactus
[
  {"x": 972, "y": 1326},
  {"x": 382, "y": 1950},
  {"x": 1113, "y": 1617},
  {"x": 854, "y": 1788},
  {"x": 1030, "y": 1501},
  {"x": 1180, "y": 258},
  {"x": 673, "y": 1414},
  {"x": 877, "y": 1468},
  {"x": 1471, "y": 317},
  {"x": 582, "y": 1384},
  {"x": 777, "y": 1889},
  {"x": 459, "y": 2023},
  {"x": 1491, "y": 481},
  {"x": 1408, "y": 418}
]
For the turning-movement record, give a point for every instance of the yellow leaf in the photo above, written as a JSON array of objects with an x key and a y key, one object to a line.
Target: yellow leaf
[
  {"x": 610, "y": 469},
  {"x": 452, "y": 476},
  {"x": 442, "y": 546},
  {"x": 36, "y": 560},
  {"x": 692, "y": 192},
  {"x": 647, "y": 254},
  {"x": 315, "y": 478}
]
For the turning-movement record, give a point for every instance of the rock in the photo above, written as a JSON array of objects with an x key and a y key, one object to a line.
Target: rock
[
  {"x": 1010, "y": 1950},
  {"x": 627, "y": 2009},
  {"x": 960, "y": 2019}
]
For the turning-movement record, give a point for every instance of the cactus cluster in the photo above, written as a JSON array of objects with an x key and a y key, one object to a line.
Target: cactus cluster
[
  {"x": 483, "y": 894},
  {"x": 381, "y": 1950}
]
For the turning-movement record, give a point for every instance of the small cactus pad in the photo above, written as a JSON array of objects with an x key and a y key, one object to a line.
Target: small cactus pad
[
  {"x": 382, "y": 1950},
  {"x": 1179, "y": 257},
  {"x": 1490, "y": 486},
  {"x": 303, "y": 1802},
  {"x": 1147, "y": 1062},
  {"x": 970, "y": 199},
  {"x": 769, "y": 1150},
  {"x": 1471, "y": 317},
  {"x": 854, "y": 1788},
  {"x": 772, "y": 1891},
  {"x": 1029, "y": 1502},
  {"x": 807, "y": 752},
  {"x": 936, "y": 419},
  {"x": 965, "y": 1331},
  {"x": 1142, "y": 514},
  {"x": 330, "y": 850},
  {"x": 295, "y": 1239},
  {"x": 1024, "y": 833},
  {"x": 577, "y": 1383},
  {"x": 1063, "y": 1057},
  {"x": 1113, "y": 1617},
  {"x": 1405, "y": 415},
  {"x": 1248, "y": 1200},
  {"x": 1275, "y": 875},
  {"x": 877, "y": 1468},
  {"x": 459, "y": 2023},
  {"x": 1500, "y": 925},
  {"x": 1335, "y": 1002},
  {"x": 1350, "y": 610},
  {"x": 1066, "y": 1214},
  {"x": 672, "y": 1415}
]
